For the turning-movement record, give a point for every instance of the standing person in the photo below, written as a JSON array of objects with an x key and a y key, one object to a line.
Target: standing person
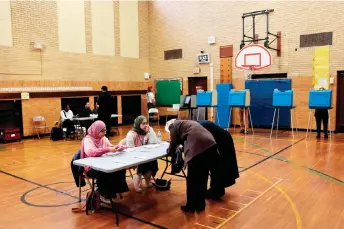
[
  {"x": 95, "y": 144},
  {"x": 104, "y": 110},
  {"x": 243, "y": 130},
  {"x": 150, "y": 98},
  {"x": 321, "y": 115},
  {"x": 150, "y": 101},
  {"x": 225, "y": 170},
  {"x": 200, "y": 151}
]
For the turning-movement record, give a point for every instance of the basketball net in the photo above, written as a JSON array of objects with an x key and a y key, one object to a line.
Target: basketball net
[{"x": 249, "y": 72}]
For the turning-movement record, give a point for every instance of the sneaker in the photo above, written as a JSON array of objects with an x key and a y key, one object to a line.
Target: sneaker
[
  {"x": 104, "y": 200},
  {"x": 326, "y": 136},
  {"x": 242, "y": 131},
  {"x": 318, "y": 136},
  {"x": 137, "y": 183}
]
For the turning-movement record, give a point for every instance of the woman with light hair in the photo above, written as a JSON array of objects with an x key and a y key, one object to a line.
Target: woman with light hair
[{"x": 199, "y": 155}]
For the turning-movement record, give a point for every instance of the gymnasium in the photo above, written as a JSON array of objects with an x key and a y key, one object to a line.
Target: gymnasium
[{"x": 269, "y": 73}]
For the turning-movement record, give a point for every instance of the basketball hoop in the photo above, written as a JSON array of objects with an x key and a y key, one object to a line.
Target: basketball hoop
[{"x": 249, "y": 71}]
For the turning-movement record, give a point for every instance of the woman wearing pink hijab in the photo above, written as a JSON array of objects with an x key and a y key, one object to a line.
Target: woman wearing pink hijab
[{"x": 95, "y": 144}]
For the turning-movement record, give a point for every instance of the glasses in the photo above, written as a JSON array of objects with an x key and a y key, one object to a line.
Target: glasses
[
  {"x": 144, "y": 123},
  {"x": 103, "y": 130}
]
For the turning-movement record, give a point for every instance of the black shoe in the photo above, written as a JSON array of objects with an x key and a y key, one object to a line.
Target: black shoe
[
  {"x": 326, "y": 136},
  {"x": 214, "y": 195},
  {"x": 187, "y": 208},
  {"x": 318, "y": 136}
]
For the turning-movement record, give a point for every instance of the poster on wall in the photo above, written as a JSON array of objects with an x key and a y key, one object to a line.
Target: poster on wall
[{"x": 321, "y": 67}]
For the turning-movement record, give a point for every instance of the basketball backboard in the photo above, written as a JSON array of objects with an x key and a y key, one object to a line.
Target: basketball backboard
[{"x": 253, "y": 57}]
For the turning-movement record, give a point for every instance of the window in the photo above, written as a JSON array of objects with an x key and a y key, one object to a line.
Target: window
[{"x": 173, "y": 54}]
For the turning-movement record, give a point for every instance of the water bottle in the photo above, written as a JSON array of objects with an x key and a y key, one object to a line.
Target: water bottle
[{"x": 159, "y": 136}]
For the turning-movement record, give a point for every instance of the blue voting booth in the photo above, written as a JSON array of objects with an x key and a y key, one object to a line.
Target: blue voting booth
[
  {"x": 222, "y": 109},
  {"x": 204, "y": 98},
  {"x": 320, "y": 99},
  {"x": 239, "y": 98},
  {"x": 262, "y": 101},
  {"x": 283, "y": 98}
]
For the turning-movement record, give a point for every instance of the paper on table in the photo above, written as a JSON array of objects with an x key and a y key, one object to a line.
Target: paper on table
[
  {"x": 151, "y": 146},
  {"x": 129, "y": 150},
  {"x": 111, "y": 154}
]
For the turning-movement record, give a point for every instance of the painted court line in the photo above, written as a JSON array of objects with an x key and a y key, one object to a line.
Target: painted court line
[
  {"x": 216, "y": 217},
  {"x": 202, "y": 225},
  {"x": 246, "y": 206}
]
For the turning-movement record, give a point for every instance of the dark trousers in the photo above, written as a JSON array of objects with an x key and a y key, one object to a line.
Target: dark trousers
[
  {"x": 197, "y": 178},
  {"x": 69, "y": 124},
  {"x": 109, "y": 184},
  {"x": 321, "y": 115},
  {"x": 217, "y": 186}
]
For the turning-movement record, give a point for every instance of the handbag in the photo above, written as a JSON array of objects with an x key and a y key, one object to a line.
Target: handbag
[
  {"x": 177, "y": 162},
  {"x": 162, "y": 184}
]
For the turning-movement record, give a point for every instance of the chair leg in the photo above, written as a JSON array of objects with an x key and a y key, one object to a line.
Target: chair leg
[{"x": 79, "y": 189}]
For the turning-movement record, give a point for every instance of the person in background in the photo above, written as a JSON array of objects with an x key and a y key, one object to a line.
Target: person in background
[
  {"x": 226, "y": 170},
  {"x": 95, "y": 144},
  {"x": 95, "y": 110},
  {"x": 104, "y": 110},
  {"x": 321, "y": 115},
  {"x": 200, "y": 153},
  {"x": 242, "y": 122},
  {"x": 66, "y": 119},
  {"x": 86, "y": 112},
  {"x": 150, "y": 98},
  {"x": 142, "y": 134}
]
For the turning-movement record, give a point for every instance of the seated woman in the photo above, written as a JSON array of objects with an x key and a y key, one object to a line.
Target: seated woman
[
  {"x": 142, "y": 134},
  {"x": 95, "y": 144}
]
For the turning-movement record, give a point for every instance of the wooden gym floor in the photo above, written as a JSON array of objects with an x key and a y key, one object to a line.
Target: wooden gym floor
[{"x": 284, "y": 183}]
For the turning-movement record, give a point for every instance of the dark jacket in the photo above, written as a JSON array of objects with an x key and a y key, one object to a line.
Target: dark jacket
[
  {"x": 77, "y": 171},
  {"x": 85, "y": 112},
  {"x": 195, "y": 138},
  {"x": 227, "y": 161},
  {"x": 105, "y": 103}
]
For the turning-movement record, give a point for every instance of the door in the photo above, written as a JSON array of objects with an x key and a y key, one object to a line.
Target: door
[
  {"x": 340, "y": 102},
  {"x": 196, "y": 84}
]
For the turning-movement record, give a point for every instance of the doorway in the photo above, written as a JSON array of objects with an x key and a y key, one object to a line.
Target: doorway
[
  {"x": 195, "y": 84},
  {"x": 340, "y": 102}
]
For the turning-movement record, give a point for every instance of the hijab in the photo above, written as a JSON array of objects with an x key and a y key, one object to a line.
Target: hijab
[
  {"x": 93, "y": 134},
  {"x": 138, "y": 121}
]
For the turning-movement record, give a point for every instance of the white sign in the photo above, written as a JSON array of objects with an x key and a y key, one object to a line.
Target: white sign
[{"x": 25, "y": 95}]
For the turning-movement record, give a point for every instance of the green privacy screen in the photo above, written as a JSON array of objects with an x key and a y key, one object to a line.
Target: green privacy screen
[{"x": 168, "y": 92}]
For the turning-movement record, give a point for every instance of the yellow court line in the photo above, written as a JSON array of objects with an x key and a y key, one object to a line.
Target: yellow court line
[
  {"x": 246, "y": 206},
  {"x": 216, "y": 217},
  {"x": 291, "y": 202},
  {"x": 205, "y": 226}
]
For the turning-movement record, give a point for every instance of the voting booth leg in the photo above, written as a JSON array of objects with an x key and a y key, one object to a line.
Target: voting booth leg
[
  {"x": 249, "y": 114},
  {"x": 273, "y": 122},
  {"x": 291, "y": 123},
  {"x": 278, "y": 110},
  {"x": 229, "y": 119},
  {"x": 295, "y": 121},
  {"x": 329, "y": 125}
]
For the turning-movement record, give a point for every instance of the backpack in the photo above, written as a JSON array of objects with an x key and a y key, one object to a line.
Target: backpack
[{"x": 56, "y": 134}]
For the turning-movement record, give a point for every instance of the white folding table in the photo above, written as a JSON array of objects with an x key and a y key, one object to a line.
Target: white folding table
[{"x": 128, "y": 158}]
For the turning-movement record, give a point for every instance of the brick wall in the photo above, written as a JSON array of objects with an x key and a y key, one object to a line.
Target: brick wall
[
  {"x": 222, "y": 19},
  {"x": 37, "y": 21}
]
